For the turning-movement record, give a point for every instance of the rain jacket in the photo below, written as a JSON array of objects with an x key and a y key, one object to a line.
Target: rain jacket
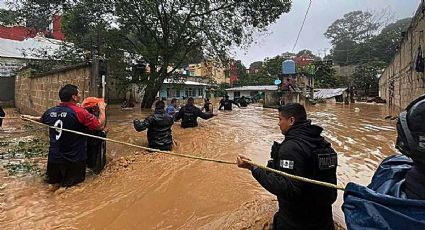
[
  {"x": 159, "y": 129},
  {"x": 304, "y": 152},
  {"x": 189, "y": 115},
  {"x": 227, "y": 104},
  {"x": 385, "y": 203}
]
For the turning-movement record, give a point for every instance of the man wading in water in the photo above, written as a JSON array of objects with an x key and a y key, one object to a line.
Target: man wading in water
[
  {"x": 159, "y": 128},
  {"x": 190, "y": 113},
  {"x": 305, "y": 153},
  {"x": 66, "y": 163}
]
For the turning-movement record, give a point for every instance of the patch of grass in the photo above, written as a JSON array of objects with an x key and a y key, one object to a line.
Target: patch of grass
[
  {"x": 17, "y": 154},
  {"x": 24, "y": 167}
]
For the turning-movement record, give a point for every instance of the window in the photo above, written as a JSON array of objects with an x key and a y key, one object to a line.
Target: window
[
  {"x": 200, "y": 92},
  {"x": 173, "y": 93},
  {"x": 253, "y": 93},
  {"x": 236, "y": 94},
  {"x": 189, "y": 92}
]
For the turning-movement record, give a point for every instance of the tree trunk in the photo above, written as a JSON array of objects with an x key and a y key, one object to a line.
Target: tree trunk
[{"x": 152, "y": 88}]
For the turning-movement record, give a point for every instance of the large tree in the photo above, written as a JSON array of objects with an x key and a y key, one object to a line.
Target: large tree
[
  {"x": 164, "y": 33},
  {"x": 356, "y": 26},
  {"x": 385, "y": 45}
]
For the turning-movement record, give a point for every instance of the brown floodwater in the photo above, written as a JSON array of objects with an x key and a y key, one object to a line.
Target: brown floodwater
[{"x": 140, "y": 190}]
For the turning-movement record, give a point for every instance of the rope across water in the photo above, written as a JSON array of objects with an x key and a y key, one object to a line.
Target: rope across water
[{"x": 307, "y": 180}]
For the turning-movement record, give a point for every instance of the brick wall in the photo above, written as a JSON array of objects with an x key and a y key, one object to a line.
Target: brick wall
[
  {"x": 400, "y": 83},
  {"x": 34, "y": 94}
]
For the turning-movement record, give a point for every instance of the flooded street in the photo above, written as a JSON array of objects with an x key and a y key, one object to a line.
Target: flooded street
[{"x": 140, "y": 190}]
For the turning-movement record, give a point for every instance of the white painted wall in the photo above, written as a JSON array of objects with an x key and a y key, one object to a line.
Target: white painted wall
[{"x": 245, "y": 93}]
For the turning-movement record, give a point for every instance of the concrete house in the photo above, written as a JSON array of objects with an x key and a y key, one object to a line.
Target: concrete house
[
  {"x": 249, "y": 91},
  {"x": 182, "y": 89}
]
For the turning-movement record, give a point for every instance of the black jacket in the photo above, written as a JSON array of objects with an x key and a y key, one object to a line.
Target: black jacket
[
  {"x": 301, "y": 205},
  {"x": 415, "y": 182},
  {"x": 189, "y": 115},
  {"x": 243, "y": 102},
  {"x": 159, "y": 129},
  {"x": 227, "y": 104}
]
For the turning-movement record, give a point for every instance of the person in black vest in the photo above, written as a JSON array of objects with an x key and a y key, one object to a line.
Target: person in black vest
[
  {"x": 227, "y": 103},
  {"x": 2, "y": 114},
  {"x": 208, "y": 107},
  {"x": 243, "y": 102},
  {"x": 411, "y": 142},
  {"x": 66, "y": 162},
  {"x": 190, "y": 113},
  {"x": 305, "y": 153},
  {"x": 159, "y": 128}
]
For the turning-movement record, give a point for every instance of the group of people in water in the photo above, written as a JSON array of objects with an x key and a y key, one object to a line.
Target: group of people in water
[
  {"x": 160, "y": 122},
  {"x": 304, "y": 152}
]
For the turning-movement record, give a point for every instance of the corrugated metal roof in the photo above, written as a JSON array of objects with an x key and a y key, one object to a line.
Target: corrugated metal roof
[
  {"x": 254, "y": 88},
  {"x": 29, "y": 48},
  {"x": 328, "y": 93},
  {"x": 168, "y": 81}
]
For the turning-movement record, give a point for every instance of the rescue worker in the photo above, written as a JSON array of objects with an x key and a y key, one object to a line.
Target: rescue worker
[
  {"x": 411, "y": 142},
  {"x": 190, "y": 113},
  {"x": 172, "y": 107},
  {"x": 305, "y": 153},
  {"x": 227, "y": 103},
  {"x": 243, "y": 102},
  {"x": 159, "y": 128},
  {"x": 66, "y": 163},
  {"x": 208, "y": 107}
]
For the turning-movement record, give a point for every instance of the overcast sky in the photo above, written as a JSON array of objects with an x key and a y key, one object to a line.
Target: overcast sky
[
  {"x": 283, "y": 33},
  {"x": 322, "y": 13}
]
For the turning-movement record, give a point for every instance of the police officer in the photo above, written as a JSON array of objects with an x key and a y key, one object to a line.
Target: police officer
[
  {"x": 411, "y": 142},
  {"x": 243, "y": 102},
  {"x": 190, "y": 113},
  {"x": 304, "y": 152},
  {"x": 227, "y": 103},
  {"x": 159, "y": 128},
  {"x": 66, "y": 163}
]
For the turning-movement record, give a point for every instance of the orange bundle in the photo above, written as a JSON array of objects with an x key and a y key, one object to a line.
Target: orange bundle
[{"x": 91, "y": 102}]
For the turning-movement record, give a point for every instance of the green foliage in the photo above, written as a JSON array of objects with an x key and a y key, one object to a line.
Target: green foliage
[
  {"x": 356, "y": 26},
  {"x": 256, "y": 79},
  {"x": 36, "y": 13},
  {"x": 363, "y": 45},
  {"x": 256, "y": 65},
  {"x": 18, "y": 156},
  {"x": 324, "y": 76},
  {"x": 220, "y": 91},
  {"x": 8, "y": 17},
  {"x": 161, "y": 33},
  {"x": 387, "y": 43},
  {"x": 272, "y": 66},
  {"x": 366, "y": 75}
]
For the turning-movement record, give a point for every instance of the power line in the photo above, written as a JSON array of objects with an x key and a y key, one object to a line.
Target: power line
[{"x": 302, "y": 25}]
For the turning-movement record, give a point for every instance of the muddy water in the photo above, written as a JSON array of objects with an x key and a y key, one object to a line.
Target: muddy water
[{"x": 139, "y": 190}]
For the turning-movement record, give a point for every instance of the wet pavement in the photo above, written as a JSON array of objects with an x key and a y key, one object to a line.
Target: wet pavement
[{"x": 140, "y": 190}]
